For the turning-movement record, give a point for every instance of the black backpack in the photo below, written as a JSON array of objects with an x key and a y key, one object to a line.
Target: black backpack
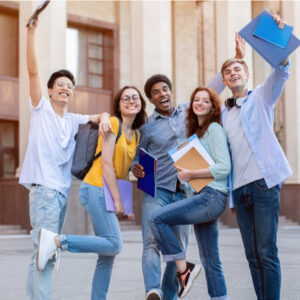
[{"x": 85, "y": 148}]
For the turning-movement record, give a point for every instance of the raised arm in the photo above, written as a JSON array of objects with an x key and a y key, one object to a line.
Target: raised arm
[
  {"x": 108, "y": 146},
  {"x": 281, "y": 24},
  {"x": 32, "y": 67}
]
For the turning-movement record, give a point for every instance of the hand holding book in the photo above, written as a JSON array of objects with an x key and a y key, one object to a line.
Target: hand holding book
[{"x": 36, "y": 13}]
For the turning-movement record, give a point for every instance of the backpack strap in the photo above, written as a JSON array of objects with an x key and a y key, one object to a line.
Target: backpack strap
[
  {"x": 117, "y": 137},
  {"x": 120, "y": 130}
]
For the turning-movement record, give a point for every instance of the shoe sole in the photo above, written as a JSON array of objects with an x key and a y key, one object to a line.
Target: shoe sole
[
  {"x": 194, "y": 274},
  {"x": 38, "y": 251},
  {"x": 153, "y": 296}
]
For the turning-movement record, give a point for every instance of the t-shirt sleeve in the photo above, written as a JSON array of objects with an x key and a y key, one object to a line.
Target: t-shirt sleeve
[
  {"x": 82, "y": 119},
  {"x": 114, "y": 125},
  {"x": 41, "y": 104}
]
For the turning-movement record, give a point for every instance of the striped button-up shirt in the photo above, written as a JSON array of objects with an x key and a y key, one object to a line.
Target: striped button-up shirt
[{"x": 161, "y": 133}]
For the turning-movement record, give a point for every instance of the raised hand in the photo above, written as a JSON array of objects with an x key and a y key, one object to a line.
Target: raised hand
[
  {"x": 279, "y": 21},
  {"x": 240, "y": 47}
]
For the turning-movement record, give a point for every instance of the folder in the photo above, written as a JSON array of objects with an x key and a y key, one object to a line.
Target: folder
[
  {"x": 149, "y": 163},
  {"x": 268, "y": 30},
  {"x": 192, "y": 155},
  {"x": 274, "y": 55},
  {"x": 125, "y": 188}
]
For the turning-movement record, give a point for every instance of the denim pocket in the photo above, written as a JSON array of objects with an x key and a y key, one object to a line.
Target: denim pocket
[{"x": 261, "y": 185}]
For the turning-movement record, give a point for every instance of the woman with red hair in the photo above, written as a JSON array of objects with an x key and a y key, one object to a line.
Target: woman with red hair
[{"x": 203, "y": 209}]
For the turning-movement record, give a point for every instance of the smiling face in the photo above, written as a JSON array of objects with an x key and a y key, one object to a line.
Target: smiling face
[
  {"x": 62, "y": 90},
  {"x": 161, "y": 97},
  {"x": 235, "y": 77},
  {"x": 202, "y": 105},
  {"x": 130, "y": 102}
]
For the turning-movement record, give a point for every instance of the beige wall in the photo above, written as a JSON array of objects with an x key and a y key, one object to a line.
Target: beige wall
[
  {"x": 185, "y": 69},
  {"x": 98, "y": 10}
]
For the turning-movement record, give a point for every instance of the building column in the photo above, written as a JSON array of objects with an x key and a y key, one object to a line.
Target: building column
[
  {"x": 50, "y": 50},
  {"x": 185, "y": 54},
  {"x": 290, "y": 11},
  {"x": 151, "y": 41},
  {"x": 231, "y": 17}
]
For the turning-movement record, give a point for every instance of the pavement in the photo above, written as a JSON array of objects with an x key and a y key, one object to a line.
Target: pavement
[{"x": 74, "y": 277}]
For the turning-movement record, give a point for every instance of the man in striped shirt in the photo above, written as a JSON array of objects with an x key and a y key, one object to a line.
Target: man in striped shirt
[{"x": 164, "y": 130}]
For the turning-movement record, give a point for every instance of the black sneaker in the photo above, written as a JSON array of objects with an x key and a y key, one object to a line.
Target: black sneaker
[
  {"x": 185, "y": 279},
  {"x": 153, "y": 295}
]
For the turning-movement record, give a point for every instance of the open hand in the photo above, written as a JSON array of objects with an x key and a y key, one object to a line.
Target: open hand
[
  {"x": 240, "y": 47},
  {"x": 279, "y": 21}
]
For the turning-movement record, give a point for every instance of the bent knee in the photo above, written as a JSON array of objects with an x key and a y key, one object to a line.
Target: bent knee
[{"x": 117, "y": 246}]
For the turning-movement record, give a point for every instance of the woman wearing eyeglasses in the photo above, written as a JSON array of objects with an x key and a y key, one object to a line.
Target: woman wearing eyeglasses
[
  {"x": 114, "y": 163},
  {"x": 203, "y": 209}
]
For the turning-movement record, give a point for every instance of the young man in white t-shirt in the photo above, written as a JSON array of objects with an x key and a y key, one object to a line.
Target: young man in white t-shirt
[{"x": 47, "y": 165}]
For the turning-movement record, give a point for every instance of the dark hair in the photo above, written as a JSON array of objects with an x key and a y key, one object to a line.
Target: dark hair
[
  {"x": 60, "y": 73},
  {"x": 192, "y": 125},
  {"x": 231, "y": 61},
  {"x": 141, "y": 117},
  {"x": 155, "y": 79}
]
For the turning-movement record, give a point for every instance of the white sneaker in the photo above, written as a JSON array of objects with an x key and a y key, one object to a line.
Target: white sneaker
[
  {"x": 46, "y": 248},
  {"x": 153, "y": 295}
]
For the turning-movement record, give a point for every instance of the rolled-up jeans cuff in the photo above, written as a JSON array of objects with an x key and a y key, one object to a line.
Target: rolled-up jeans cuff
[
  {"x": 63, "y": 242},
  {"x": 173, "y": 257},
  {"x": 225, "y": 297}
]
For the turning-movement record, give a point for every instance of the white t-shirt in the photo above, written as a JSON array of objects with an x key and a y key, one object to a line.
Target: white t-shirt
[
  {"x": 245, "y": 167},
  {"x": 51, "y": 145}
]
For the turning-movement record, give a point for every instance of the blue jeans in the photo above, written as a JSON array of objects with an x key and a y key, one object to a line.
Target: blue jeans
[
  {"x": 203, "y": 210},
  {"x": 257, "y": 209},
  {"x": 107, "y": 242},
  {"x": 47, "y": 210},
  {"x": 151, "y": 258}
]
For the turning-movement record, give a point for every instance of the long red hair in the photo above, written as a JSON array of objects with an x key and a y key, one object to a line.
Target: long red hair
[{"x": 192, "y": 125}]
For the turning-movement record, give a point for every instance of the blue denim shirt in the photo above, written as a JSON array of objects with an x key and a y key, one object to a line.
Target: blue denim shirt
[{"x": 257, "y": 118}]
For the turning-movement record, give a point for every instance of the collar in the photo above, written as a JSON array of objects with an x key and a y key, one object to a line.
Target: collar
[{"x": 156, "y": 114}]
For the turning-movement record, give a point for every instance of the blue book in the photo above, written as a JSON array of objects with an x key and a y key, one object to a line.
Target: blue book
[
  {"x": 268, "y": 30},
  {"x": 125, "y": 188},
  {"x": 274, "y": 55},
  {"x": 149, "y": 163}
]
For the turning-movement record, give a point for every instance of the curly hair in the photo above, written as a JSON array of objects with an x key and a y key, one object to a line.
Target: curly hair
[
  {"x": 214, "y": 115},
  {"x": 155, "y": 79},
  {"x": 141, "y": 117}
]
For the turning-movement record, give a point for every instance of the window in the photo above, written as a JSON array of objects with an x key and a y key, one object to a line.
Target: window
[
  {"x": 89, "y": 56},
  {"x": 8, "y": 148},
  {"x": 9, "y": 32}
]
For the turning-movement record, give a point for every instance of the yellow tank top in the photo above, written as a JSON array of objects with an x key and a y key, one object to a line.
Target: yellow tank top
[{"x": 123, "y": 156}]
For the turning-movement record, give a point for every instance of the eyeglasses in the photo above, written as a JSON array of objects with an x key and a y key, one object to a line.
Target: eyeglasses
[
  {"x": 134, "y": 98},
  {"x": 61, "y": 84}
]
